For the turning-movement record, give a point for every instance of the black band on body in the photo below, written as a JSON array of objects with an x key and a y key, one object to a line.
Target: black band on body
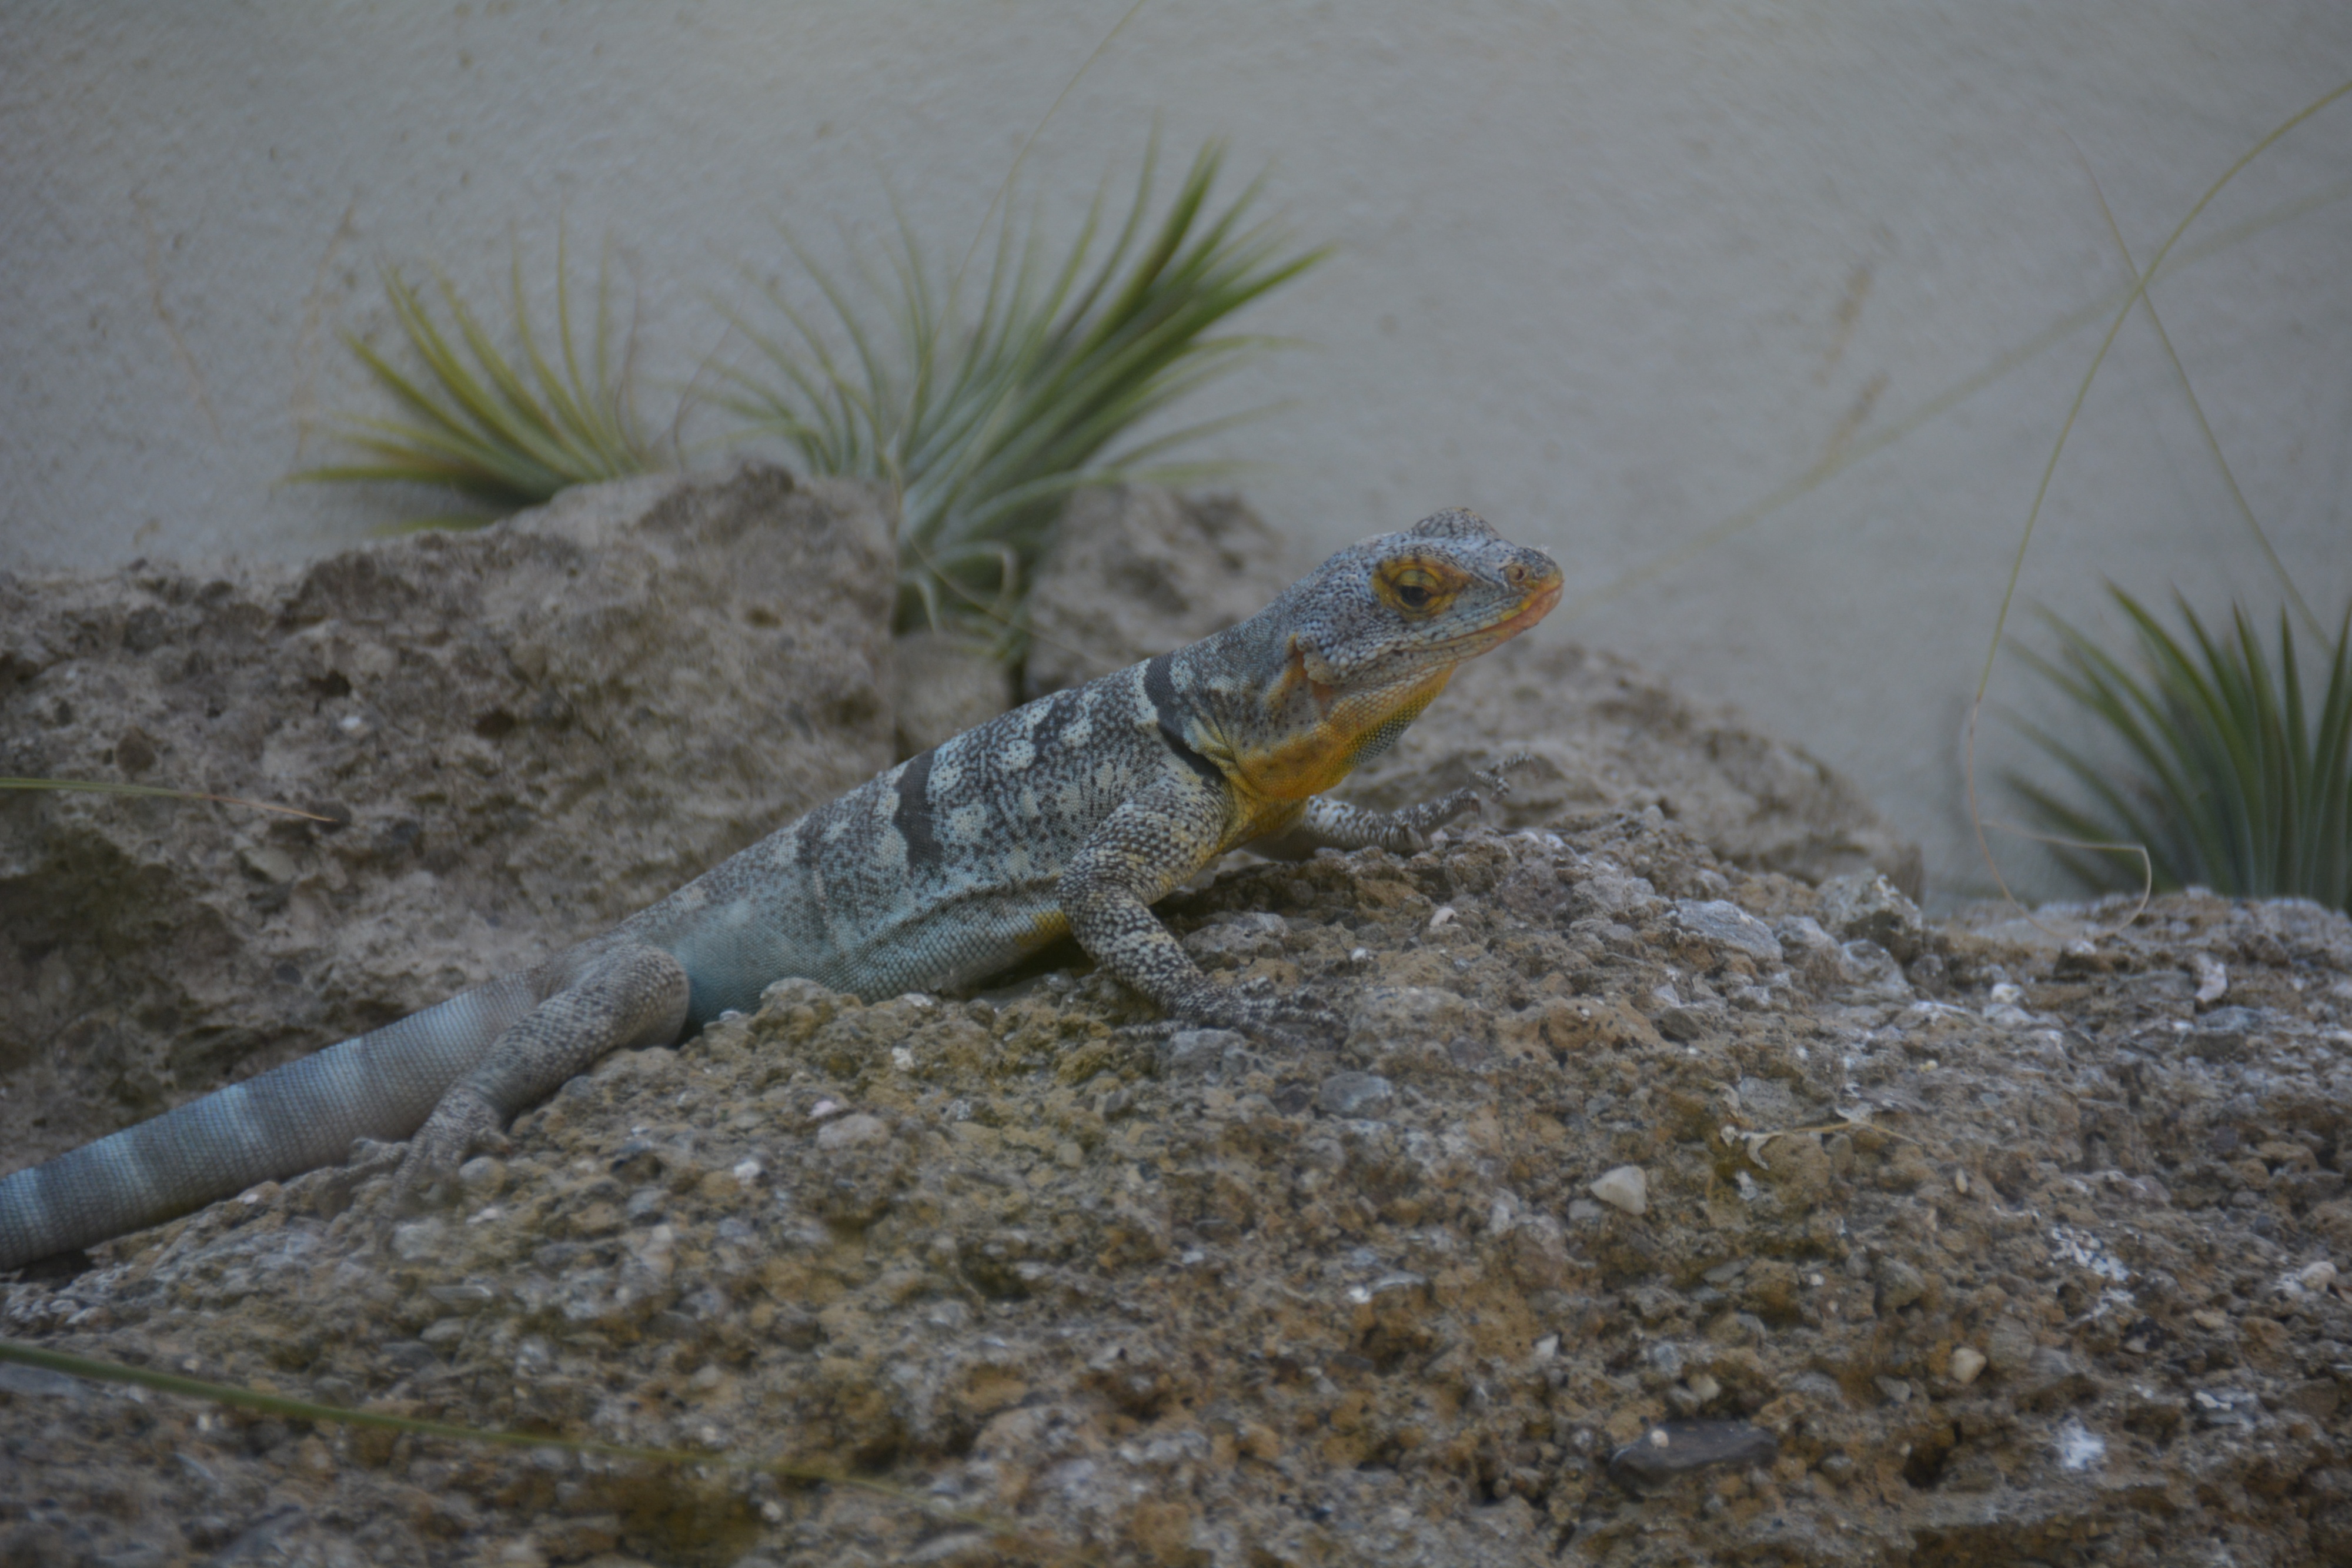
[
  {"x": 1160, "y": 686},
  {"x": 913, "y": 816}
]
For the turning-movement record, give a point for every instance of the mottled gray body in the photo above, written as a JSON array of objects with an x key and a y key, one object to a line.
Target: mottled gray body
[
  {"x": 1073, "y": 814},
  {"x": 939, "y": 873}
]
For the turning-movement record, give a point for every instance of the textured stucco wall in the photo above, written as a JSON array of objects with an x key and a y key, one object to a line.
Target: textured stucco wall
[{"x": 1612, "y": 273}]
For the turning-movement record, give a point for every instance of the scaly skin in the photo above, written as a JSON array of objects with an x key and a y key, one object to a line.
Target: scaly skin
[{"x": 1073, "y": 815}]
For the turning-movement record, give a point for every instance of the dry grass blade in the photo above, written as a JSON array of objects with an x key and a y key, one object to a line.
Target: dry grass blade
[
  {"x": 506, "y": 432},
  {"x": 155, "y": 791},
  {"x": 239, "y": 1398},
  {"x": 986, "y": 413},
  {"x": 2082, "y": 393},
  {"x": 2232, "y": 779}
]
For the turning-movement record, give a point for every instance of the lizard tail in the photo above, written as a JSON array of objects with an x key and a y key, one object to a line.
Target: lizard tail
[{"x": 305, "y": 1114}]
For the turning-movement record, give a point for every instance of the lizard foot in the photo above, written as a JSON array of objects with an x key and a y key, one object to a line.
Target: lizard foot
[
  {"x": 462, "y": 1125},
  {"x": 1408, "y": 831},
  {"x": 1496, "y": 781}
]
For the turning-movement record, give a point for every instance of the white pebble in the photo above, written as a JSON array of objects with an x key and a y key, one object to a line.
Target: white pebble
[
  {"x": 1966, "y": 1361},
  {"x": 1625, "y": 1187}
]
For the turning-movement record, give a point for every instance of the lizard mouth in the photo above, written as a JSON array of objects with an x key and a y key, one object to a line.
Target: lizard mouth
[{"x": 1532, "y": 608}]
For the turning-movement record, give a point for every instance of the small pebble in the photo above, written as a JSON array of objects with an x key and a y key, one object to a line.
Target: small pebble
[
  {"x": 1354, "y": 1094},
  {"x": 851, "y": 1131},
  {"x": 1626, "y": 1188},
  {"x": 483, "y": 1177},
  {"x": 1966, "y": 1361}
]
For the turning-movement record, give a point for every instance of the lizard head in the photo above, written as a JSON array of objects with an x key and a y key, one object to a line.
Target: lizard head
[{"x": 1349, "y": 655}]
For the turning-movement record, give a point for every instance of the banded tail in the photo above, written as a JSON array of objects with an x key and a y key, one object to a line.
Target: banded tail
[{"x": 298, "y": 1117}]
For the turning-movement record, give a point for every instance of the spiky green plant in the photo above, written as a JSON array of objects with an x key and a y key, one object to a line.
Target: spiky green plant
[
  {"x": 986, "y": 416},
  {"x": 2234, "y": 780},
  {"x": 507, "y": 432}
]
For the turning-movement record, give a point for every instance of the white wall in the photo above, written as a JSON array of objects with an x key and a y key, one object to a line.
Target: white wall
[{"x": 1612, "y": 273}]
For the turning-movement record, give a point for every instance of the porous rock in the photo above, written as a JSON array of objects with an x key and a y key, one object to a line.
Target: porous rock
[
  {"x": 1107, "y": 1298},
  {"x": 942, "y": 684},
  {"x": 518, "y": 736}
]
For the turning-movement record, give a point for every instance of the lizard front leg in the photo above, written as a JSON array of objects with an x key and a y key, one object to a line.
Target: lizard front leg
[
  {"x": 621, "y": 999},
  {"x": 1135, "y": 858},
  {"x": 1334, "y": 824}
]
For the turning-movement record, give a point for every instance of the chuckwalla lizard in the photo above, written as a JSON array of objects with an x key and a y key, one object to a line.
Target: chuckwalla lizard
[{"x": 1070, "y": 816}]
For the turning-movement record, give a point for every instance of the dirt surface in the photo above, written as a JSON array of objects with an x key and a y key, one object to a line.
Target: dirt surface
[
  {"x": 497, "y": 723},
  {"x": 1642, "y": 1209}
]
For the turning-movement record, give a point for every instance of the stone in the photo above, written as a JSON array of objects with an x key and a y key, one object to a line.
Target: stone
[
  {"x": 1726, "y": 924},
  {"x": 1353, "y": 1095},
  {"x": 1060, "y": 1276},
  {"x": 1871, "y": 908},
  {"x": 1626, "y": 1187},
  {"x": 940, "y": 685},
  {"x": 1672, "y": 1449},
  {"x": 851, "y": 1131}
]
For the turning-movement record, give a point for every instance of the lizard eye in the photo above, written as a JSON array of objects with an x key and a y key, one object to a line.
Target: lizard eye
[{"x": 1415, "y": 590}]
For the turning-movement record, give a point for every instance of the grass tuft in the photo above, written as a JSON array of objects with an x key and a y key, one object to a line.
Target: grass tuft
[
  {"x": 504, "y": 432},
  {"x": 986, "y": 413},
  {"x": 2234, "y": 781}
]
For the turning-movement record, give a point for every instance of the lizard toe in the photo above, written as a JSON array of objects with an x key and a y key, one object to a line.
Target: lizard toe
[{"x": 461, "y": 1125}]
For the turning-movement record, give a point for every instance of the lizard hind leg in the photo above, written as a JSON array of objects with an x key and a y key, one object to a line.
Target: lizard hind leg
[{"x": 621, "y": 999}]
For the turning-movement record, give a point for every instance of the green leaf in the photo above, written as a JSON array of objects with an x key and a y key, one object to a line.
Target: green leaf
[
  {"x": 986, "y": 411},
  {"x": 505, "y": 430}
]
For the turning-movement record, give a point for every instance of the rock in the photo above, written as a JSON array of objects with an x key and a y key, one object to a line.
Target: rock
[
  {"x": 1870, "y": 908},
  {"x": 1354, "y": 1094},
  {"x": 1606, "y": 737},
  {"x": 1625, "y": 1187},
  {"x": 1134, "y": 570},
  {"x": 1020, "y": 1258},
  {"x": 2222, "y": 1033},
  {"x": 521, "y": 734},
  {"x": 1672, "y": 1449},
  {"x": 941, "y": 685},
  {"x": 1872, "y": 972},
  {"x": 1214, "y": 1054},
  {"x": 853, "y": 1130},
  {"x": 1727, "y": 925}
]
